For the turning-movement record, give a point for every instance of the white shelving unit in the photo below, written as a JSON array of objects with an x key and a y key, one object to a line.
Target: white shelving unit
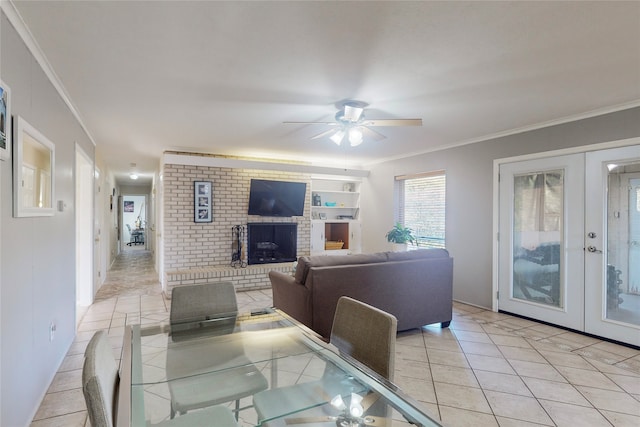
[{"x": 335, "y": 210}]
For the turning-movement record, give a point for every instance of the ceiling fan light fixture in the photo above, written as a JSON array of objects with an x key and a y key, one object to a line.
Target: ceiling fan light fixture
[
  {"x": 338, "y": 137},
  {"x": 355, "y": 136}
]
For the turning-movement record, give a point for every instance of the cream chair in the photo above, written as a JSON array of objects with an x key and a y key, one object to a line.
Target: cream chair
[
  {"x": 206, "y": 378},
  {"x": 360, "y": 331},
  {"x": 100, "y": 383}
]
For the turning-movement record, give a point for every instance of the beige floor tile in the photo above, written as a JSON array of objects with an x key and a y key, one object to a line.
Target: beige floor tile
[
  {"x": 453, "y": 375},
  {"x": 466, "y": 325},
  {"x": 413, "y": 369},
  {"x": 407, "y": 352},
  {"x": 456, "y": 396},
  {"x": 450, "y": 358},
  {"x": 479, "y": 337},
  {"x": 509, "y": 341},
  {"x": 421, "y": 390},
  {"x": 566, "y": 415},
  {"x": 621, "y": 420},
  {"x": 510, "y": 422},
  {"x": 442, "y": 344},
  {"x": 488, "y": 363},
  {"x": 611, "y": 400},
  {"x": 592, "y": 352},
  {"x": 495, "y": 330},
  {"x": 617, "y": 349},
  {"x": 587, "y": 378},
  {"x": 524, "y": 354},
  {"x": 482, "y": 349},
  {"x": 632, "y": 364},
  {"x": 66, "y": 381},
  {"x": 71, "y": 363},
  {"x": 517, "y": 407},
  {"x": 552, "y": 390},
  {"x": 612, "y": 369},
  {"x": 630, "y": 384},
  {"x": 456, "y": 417},
  {"x": 504, "y": 383},
  {"x": 76, "y": 419},
  {"x": 94, "y": 326},
  {"x": 537, "y": 370},
  {"x": 61, "y": 403},
  {"x": 566, "y": 359}
]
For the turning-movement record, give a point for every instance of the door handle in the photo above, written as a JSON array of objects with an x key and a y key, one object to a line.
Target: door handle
[{"x": 593, "y": 250}]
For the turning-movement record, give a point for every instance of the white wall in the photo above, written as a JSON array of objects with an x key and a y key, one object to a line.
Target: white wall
[
  {"x": 469, "y": 172},
  {"x": 37, "y": 271}
]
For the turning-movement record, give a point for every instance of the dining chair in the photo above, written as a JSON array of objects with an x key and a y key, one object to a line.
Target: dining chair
[
  {"x": 360, "y": 331},
  {"x": 101, "y": 382},
  {"x": 201, "y": 376}
]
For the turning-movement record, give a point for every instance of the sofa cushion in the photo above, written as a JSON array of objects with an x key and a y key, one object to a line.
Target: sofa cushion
[
  {"x": 305, "y": 263},
  {"x": 418, "y": 254}
]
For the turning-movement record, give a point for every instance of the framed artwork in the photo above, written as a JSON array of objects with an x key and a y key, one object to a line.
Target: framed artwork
[
  {"x": 202, "y": 201},
  {"x": 5, "y": 122},
  {"x": 128, "y": 206}
]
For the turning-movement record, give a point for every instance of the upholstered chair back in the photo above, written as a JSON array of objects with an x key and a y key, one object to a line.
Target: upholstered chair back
[
  {"x": 365, "y": 333},
  {"x": 100, "y": 380}
]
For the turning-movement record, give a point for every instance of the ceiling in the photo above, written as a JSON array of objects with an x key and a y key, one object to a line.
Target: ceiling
[{"x": 222, "y": 77}]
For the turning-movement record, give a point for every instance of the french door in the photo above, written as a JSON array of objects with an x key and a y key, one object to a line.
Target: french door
[
  {"x": 541, "y": 270},
  {"x": 569, "y": 241},
  {"x": 612, "y": 258}
]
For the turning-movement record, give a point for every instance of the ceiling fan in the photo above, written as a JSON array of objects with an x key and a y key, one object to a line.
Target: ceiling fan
[{"x": 351, "y": 123}]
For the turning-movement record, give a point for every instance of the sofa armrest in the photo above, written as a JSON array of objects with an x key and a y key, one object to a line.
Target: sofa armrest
[{"x": 291, "y": 297}]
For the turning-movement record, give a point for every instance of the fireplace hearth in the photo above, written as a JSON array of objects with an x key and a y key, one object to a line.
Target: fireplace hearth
[{"x": 271, "y": 242}]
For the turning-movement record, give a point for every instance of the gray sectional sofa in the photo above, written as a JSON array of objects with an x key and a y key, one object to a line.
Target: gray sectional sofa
[{"x": 414, "y": 286}]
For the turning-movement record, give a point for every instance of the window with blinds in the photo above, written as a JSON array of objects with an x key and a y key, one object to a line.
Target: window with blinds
[{"x": 420, "y": 206}]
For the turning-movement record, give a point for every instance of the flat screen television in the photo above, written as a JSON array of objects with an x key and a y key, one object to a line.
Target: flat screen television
[{"x": 276, "y": 198}]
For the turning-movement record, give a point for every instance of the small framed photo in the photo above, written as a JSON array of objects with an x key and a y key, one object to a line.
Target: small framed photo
[
  {"x": 5, "y": 122},
  {"x": 202, "y": 201}
]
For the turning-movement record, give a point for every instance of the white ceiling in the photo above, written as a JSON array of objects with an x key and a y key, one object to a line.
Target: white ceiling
[{"x": 221, "y": 77}]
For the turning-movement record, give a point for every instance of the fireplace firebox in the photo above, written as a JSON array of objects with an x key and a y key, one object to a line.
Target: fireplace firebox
[{"x": 271, "y": 242}]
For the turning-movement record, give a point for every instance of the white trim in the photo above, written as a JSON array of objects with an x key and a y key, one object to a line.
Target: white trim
[
  {"x": 496, "y": 198},
  {"x": 25, "y": 34},
  {"x": 542, "y": 125},
  {"x": 223, "y": 162}
]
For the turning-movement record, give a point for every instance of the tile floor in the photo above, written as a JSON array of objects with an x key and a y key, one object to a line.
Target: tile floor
[{"x": 486, "y": 369}]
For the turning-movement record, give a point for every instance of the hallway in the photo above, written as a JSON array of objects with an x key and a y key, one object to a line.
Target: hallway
[{"x": 487, "y": 369}]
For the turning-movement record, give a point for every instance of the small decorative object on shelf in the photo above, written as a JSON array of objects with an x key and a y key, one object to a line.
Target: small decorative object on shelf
[{"x": 316, "y": 200}]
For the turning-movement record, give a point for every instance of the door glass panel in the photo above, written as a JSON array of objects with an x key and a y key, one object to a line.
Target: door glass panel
[
  {"x": 622, "y": 281},
  {"x": 537, "y": 237}
]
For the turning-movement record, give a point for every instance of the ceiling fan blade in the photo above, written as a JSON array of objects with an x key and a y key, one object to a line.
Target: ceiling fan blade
[
  {"x": 310, "y": 123},
  {"x": 323, "y": 134},
  {"x": 352, "y": 114},
  {"x": 393, "y": 122},
  {"x": 370, "y": 133}
]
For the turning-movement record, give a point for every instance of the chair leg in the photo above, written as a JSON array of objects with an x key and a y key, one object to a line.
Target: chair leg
[{"x": 237, "y": 411}]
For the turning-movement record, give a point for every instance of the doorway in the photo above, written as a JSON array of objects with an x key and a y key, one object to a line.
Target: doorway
[
  {"x": 84, "y": 232},
  {"x": 568, "y": 241},
  {"x": 134, "y": 222}
]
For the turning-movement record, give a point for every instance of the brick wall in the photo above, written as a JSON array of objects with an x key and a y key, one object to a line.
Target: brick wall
[{"x": 191, "y": 245}]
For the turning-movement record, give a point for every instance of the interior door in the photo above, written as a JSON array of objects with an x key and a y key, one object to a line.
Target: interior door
[
  {"x": 612, "y": 300},
  {"x": 541, "y": 239}
]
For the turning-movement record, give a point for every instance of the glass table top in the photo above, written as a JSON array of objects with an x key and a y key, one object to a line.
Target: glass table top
[{"x": 266, "y": 368}]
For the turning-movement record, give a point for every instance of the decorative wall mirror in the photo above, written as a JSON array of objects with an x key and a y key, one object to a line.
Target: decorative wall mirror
[{"x": 33, "y": 171}]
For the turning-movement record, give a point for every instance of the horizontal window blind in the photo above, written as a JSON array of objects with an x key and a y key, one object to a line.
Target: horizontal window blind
[{"x": 421, "y": 206}]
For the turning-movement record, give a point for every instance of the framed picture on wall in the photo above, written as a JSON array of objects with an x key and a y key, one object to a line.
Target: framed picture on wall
[
  {"x": 5, "y": 121},
  {"x": 128, "y": 206},
  {"x": 202, "y": 201}
]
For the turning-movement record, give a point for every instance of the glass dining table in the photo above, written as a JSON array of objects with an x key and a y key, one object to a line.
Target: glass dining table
[{"x": 266, "y": 367}]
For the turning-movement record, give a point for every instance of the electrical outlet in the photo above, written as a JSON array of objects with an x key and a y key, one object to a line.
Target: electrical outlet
[{"x": 52, "y": 331}]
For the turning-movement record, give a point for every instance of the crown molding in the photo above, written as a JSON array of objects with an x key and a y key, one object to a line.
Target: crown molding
[
  {"x": 25, "y": 34},
  {"x": 542, "y": 125},
  {"x": 223, "y": 162}
]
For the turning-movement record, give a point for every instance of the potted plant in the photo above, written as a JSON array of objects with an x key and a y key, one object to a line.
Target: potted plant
[{"x": 400, "y": 236}]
